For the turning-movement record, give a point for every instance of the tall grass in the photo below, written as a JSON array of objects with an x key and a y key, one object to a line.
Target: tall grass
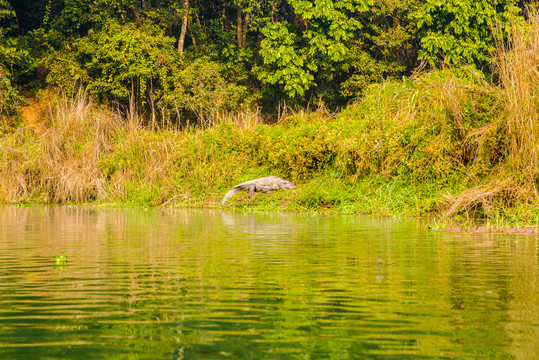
[
  {"x": 513, "y": 180},
  {"x": 90, "y": 154},
  {"x": 518, "y": 68},
  {"x": 411, "y": 149},
  {"x": 62, "y": 164}
]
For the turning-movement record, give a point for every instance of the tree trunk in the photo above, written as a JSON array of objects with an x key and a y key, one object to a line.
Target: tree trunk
[
  {"x": 239, "y": 28},
  {"x": 181, "y": 40},
  {"x": 245, "y": 28}
]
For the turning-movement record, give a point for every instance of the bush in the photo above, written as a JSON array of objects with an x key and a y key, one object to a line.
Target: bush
[
  {"x": 460, "y": 31},
  {"x": 200, "y": 89},
  {"x": 8, "y": 98},
  {"x": 139, "y": 66},
  {"x": 13, "y": 63},
  {"x": 116, "y": 63}
]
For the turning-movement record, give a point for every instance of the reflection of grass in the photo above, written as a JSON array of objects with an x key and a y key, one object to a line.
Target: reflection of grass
[
  {"x": 61, "y": 259},
  {"x": 438, "y": 224},
  {"x": 500, "y": 225}
]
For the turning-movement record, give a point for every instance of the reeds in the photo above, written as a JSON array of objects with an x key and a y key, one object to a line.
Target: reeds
[
  {"x": 478, "y": 198},
  {"x": 513, "y": 177},
  {"x": 62, "y": 163},
  {"x": 517, "y": 64}
]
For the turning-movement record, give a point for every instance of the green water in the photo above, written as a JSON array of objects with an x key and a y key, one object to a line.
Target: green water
[{"x": 174, "y": 284}]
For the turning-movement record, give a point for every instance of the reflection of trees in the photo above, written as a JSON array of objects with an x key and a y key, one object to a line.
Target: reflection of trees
[
  {"x": 208, "y": 284},
  {"x": 471, "y": 292}
]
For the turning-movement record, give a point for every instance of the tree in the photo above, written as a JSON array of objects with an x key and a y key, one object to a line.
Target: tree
[
  {"x": 185, "y": 16},
  {"x": 243, "y": 10},
  {"x": 460, "y": 31},
  {"x": 297, "y": 50},
  {"x": 311, "y": 43},
  {"x": 386, "y": 48},
  {"x": 9, "y": 57}
]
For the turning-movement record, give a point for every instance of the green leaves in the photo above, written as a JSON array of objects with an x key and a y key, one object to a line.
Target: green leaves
[
  {"x": 14, "y": 62},
  {"x": 408, "y": 83},
  {"x": 200, "y": 88},
  {"x": 283, "y": 64},
  {"x": 273, "y": 50},
  {"x": 61, "y": 259},
  {"x": 117, "y": 61},
  {"x": 460, "y": 31},
  {"x": 8, "y": 21},
  {"x": 295, "y": 55}
]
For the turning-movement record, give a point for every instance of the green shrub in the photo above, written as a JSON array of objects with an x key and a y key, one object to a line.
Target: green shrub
[
  {"x": 199, "y": 88},
  {"x": 8, "y": 98},
  {"x": 14, "y": 63},
  {"x": 116, "y": 63},
  {"x": 139, "y": 67},
  {"x": 460, "y": 31}
]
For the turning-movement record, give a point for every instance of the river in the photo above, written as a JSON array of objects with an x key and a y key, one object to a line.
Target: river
[{"x": 201, "y": 284}]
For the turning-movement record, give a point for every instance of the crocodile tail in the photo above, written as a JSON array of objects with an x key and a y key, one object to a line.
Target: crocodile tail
[{"x": 229, "y": 194}]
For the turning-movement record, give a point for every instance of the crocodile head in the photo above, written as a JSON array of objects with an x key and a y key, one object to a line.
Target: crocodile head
[{"x": 286, "y": 185}]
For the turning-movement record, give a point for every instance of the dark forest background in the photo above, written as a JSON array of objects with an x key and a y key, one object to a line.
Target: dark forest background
[{"x": 193, "y": 58}]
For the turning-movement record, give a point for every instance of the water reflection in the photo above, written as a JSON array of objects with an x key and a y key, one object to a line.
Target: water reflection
[{"x": 207, "y": 284}]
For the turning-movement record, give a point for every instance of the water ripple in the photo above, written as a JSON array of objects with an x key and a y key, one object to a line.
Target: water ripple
[{"x": 156, "y": 285}]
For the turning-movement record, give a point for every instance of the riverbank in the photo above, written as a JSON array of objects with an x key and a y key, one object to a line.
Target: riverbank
[
  {"x": 438, "y": 144},
  {"x": 447, "y": 143}
]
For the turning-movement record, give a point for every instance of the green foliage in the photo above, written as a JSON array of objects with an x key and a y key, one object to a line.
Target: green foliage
[
  {"x": 200, "y": 88},
  {"x": 8, "y": 97},
  {"x": 295, "y": 55},
  {"x": 10, "y": 57},
  {"x": 15, "y": 58},
  {"x": 268, "y": 51},
  {"x": 384, "y": 136},
  {"x": 460, "y": 31},
  {"x": 283, "y": 64},
  {"x": 330, "y": 24},
  {"x": 114, "y": 64},
  {"x": 394, "y": 152},
  {"x": 409, "y": 139},
  {"x": 8, "y": 21},
  {"x": 61, "y": 259},
  {"x": 123, "y": 63},
  {"x": 363, "y": 69},
  {"x": 298, "y": 152},
  {"x": 79, "y": 16},
  {"x": 14, "y": 62}
]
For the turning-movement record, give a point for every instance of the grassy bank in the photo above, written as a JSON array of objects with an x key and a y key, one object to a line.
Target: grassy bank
[
  {"x": 447, "y": 143},
  {"x": 408, "y": 148}
]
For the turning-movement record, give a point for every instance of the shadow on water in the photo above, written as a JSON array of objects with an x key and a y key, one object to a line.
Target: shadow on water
[{"x": 196, "y": 284}]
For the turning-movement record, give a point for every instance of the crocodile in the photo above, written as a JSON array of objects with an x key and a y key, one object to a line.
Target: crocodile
[{"x": 265, "y": 184}]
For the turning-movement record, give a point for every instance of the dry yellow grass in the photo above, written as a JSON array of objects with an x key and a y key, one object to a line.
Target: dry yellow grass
[
  {"x": 60, "y": 161},
  {"x": 516, "y": 177},
  {"x": 517, "y": 65}
]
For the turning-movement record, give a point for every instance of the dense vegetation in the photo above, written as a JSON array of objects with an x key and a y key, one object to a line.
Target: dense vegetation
[
  {"x": 192, "y": 59},
  {"x": 401, "y": 107}
]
